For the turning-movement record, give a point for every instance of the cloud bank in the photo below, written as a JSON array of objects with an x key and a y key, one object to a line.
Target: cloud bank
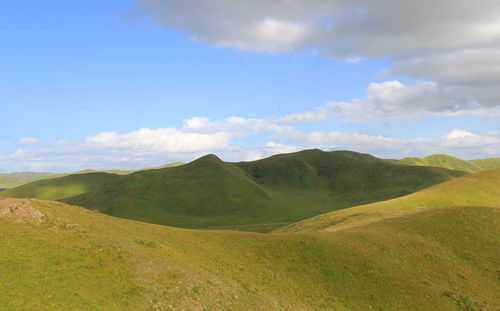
[
  {"x": 199, "y": 136},
  {"x": 454, "y": 43}
]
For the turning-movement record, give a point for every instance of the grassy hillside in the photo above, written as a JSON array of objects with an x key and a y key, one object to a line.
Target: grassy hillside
[
  {"x": 253, "y": 196},
  {"x": 479, "y": 189},
  {"x": 55, "y": 256}
]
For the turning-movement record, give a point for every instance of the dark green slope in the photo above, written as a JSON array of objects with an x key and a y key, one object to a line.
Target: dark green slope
[
  {"x": 255, "y": 196},
  {"x": 204, "y": 192},
  {"x": 347, "y": 176}
]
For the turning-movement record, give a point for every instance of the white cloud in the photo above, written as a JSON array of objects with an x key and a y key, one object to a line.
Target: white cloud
[
  {"x": 29, "y": 141},
  {"x": 5, "y": 142},
  {"x": 273, "y": 148},
  {"x": 161, "y": 140},
  {"x": 337, "y": 139}
]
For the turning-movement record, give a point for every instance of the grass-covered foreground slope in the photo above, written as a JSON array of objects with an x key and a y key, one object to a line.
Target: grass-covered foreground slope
[
  {"x": 479, "y": 189},
  {"x": 449, "y": 162},
  {"x": 59, "y": 257},
  {"x": 254, "y": 196}
]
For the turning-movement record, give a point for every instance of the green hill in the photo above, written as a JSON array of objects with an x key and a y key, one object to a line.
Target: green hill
[
  {"x": 449, "y": 162},
  {"x": 479, "y": 189},
  {"x": 255, "y": 196},
  {"x": 59, "y": 257}
]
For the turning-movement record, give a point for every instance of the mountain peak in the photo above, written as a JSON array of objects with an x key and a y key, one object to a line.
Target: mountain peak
[{"x": 209, "y": 157}]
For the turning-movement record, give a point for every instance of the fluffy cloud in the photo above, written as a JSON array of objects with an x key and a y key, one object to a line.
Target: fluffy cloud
[
  {"x": 393, "y": 99},
  {"x": 29, "y": 141},
  {"x": 147, "y": 140}
]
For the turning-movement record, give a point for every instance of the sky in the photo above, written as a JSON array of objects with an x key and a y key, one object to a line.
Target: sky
[{"x": 130, "y": 84}]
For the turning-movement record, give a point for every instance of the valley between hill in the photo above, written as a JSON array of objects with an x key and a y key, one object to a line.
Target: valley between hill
[{"x": 253, "y": 196}]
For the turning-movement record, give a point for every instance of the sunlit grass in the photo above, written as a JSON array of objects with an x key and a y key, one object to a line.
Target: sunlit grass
[{"x": 80, "y": 259}]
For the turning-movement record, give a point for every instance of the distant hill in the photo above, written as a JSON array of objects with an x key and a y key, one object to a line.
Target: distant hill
[
  {"x": 126, "y": 172},
  {"x": 12, "y": 180},
  {"x": 63, "y": 187},
  {"x": 487, "y": 163},
  {"x": 479, "y": 189},
  {"x": 255, "y": 196},
  {"x": 449, "y": 162},
  {"x": 59, "y": 257},
  {"x": 16, "y": 179}
]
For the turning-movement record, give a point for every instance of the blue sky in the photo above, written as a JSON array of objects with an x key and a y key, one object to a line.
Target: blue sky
[{"x": 127, "y": 84}]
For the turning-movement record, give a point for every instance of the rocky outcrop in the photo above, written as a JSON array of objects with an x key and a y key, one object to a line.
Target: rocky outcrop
[{"x": 20, "y": 211}]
